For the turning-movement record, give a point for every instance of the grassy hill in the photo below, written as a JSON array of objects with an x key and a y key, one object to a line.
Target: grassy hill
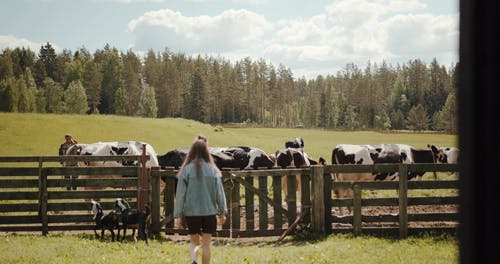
[{"x": 41, "y": 134}]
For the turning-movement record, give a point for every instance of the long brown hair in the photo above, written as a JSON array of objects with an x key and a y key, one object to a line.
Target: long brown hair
[{"x": 197, "y": 152}]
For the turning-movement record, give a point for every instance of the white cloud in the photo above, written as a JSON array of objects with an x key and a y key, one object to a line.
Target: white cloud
[
  {"x": 347, "y": 31},
  {"x": 232, "y": 29},
  {"x": 9, "y": 41}
]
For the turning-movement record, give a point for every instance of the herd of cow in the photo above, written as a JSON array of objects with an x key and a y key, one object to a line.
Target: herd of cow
[{"x": 293, "y": 155}]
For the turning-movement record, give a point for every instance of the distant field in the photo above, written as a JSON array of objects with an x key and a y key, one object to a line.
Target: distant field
[{"x": 41, "y": 134}]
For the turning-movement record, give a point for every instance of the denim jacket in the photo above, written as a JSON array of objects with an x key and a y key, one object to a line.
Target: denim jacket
[{"x": 200, "y": 195}]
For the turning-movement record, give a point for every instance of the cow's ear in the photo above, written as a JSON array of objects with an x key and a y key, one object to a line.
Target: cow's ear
[{"x": 115, "y": 149}]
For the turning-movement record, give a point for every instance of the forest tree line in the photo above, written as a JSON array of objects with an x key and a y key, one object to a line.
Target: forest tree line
[{"x": 414, "y": 96}]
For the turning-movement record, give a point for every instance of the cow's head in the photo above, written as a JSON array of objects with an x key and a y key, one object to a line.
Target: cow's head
[
  {"x": 444, "y": 155},
  {"x": 438, "y": 154},
  {"x": 118, "y": 150},
  {"x": 122, "y": 205},
  {"x": 96, "y": 210}
]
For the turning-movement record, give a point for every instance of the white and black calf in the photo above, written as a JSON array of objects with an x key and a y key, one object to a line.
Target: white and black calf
[
  {"x": 109, "y": 221},
  {"x": 133, "y": 219}
]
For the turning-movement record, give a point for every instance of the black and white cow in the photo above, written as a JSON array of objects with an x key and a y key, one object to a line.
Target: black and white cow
[
  {"x": 112, "y": 149},
  {"x": 297, "y": 142},
  {"x": 239, "y": 157},
  {"x": 445, "y": 155},
  {"x": 173, "y": 158},
  {"x": 351, "y": 154},
  {"x": 294, "y": 157}
]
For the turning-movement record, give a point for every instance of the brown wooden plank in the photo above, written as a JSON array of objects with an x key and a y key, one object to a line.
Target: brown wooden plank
[
  {"x": 433, "y": 200},
  {"x": 433, "y": 185},
  {"x": 19, "y": 219},
  {"x": 350, "y": 168},
  {"x": 105, "y": 182},
  {"x": 380, "y": 218},
  {"x": 169, "y": 198},
  {"x": 19, "y": 171},
  {"x": 375, "y": 185},
  {"x": 16, "y": 183},
  {"x": 291, "y": 199},
  {"x": 305, "y": 197},
  {"x": 132, "y": 171},
  {"x": 380, "y": 202},
  {"x": 346, "y": 202},
  {"x": 164, "y": 173},
  {"x": 403, "y": 201},
  {"x": 347, "y": 219},
  {"x": 356, "y": 216},
  {"x": 92, "y": 194},
  {"x": 277, "y": 192},
  {"x": 263, "y": 217},
  {"x": 4, "y": 159},
  {"x": 275, "y": 172},
  {"x": 235, "y": 205},
  {"x": 327, "y": 194},
  {"x": 30, "y": 228},
  {"x": 19, "y": 195},
  {"x": 155, "y": 203},
  {"x": 84, "y": 206},
  {"x": 79, "y": 218},
  {"x": 318, "y": 199},
  {"x": 431, "y": 217},
  {"x": 249, "y": 205},
  {"x": 22, "y": 207}
]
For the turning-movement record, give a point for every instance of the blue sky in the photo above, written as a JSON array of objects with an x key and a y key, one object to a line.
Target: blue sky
[{"x": 310, "y": 37}]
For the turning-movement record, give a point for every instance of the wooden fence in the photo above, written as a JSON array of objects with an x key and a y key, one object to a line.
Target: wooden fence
[
  {"x": 35, "y": 198},
  {"x": 257, "y": 207}
]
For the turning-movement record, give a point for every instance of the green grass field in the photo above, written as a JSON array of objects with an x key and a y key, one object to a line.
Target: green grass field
[
  {"x": 65, "y": 248},
  {"x": 40, "y": 135}
]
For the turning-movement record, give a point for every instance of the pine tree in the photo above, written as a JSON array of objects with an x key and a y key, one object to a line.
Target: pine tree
[
  {"x": 417, "y": 118},
  {"x": 75, "y": 99},
  {"x": 147, "y": 103},
  {"x": 32, "y": 91},
  {"x": 447, "y": 117},
  {"x": 119, "y": 102},
  {"x": 53, "y": 96}
]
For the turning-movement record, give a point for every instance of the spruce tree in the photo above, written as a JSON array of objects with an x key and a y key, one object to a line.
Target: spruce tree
[
  {"x": 75, "y": 99},
  {"x": 147, "y": 103}
]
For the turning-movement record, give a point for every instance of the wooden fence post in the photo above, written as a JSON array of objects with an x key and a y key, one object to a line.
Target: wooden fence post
[
  {"x": 44, "y": 202},
  {"x": 142, "y": 191},
  {"x": 318, "y": 199},
  {"x": 155, "y": 200},
  {"x": 403, "y": 200},
  {"x": 356, "y": 217}
]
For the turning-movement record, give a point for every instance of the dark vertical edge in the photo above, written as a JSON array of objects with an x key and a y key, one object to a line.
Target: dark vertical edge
[
  {"x": 305, "y": 197},
  {"x": 356, "y": 217},
  {"x": 291, "y": 199},
  {"x": 403, "y": 200}
]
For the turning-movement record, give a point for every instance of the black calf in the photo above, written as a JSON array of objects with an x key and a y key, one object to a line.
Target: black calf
[
  {"x": 109, "y": 221},
  {"x": 134, "y": 219}
]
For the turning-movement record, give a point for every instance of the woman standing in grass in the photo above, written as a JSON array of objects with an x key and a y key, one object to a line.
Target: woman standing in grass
[{"x": 200, "y": 199}]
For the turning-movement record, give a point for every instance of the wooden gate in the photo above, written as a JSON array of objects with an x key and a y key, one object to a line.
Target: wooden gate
[
  {"x": 36, "y": 198},
  {"x": 255, "y": 199}
]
